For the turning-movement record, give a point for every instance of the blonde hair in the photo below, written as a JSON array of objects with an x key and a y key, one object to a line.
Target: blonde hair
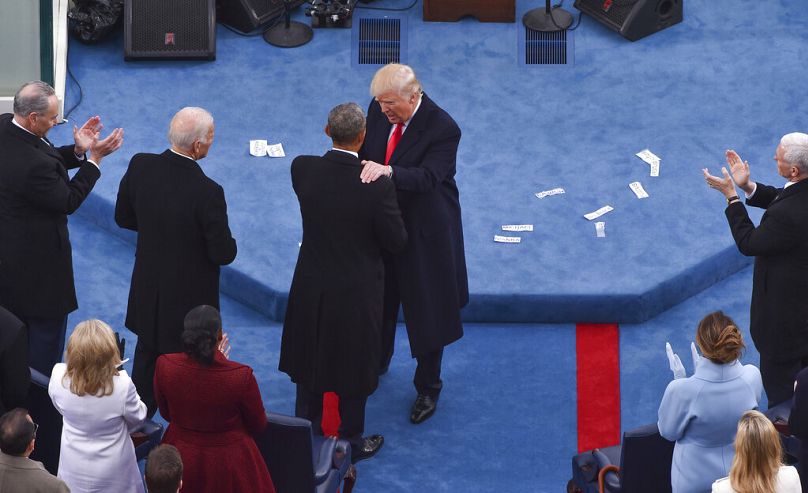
[
  {"x": 92, "y": 359},
  {"x": 719, "y": 338},
  {"x": 757, "y": 455},
  {"x": 395, "y": 77}
]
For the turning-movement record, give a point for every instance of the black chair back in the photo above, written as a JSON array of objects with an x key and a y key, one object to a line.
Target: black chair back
[
  {"x": 286, "y": 447},
  {"x": 49, "y": 434},
  {"x": 645, "y": 461}
]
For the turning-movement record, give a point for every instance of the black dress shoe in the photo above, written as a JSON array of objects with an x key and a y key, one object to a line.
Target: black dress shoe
[
  {"x": 367, "y": 448},
  {"x": 423, "y": 407}
]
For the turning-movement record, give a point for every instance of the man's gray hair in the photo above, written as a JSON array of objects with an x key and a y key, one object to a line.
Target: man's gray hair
[
  {"x": 32, "y": 97},
  {"x": 395, "y": 77},
  {"x": 345, "y": 122},
  {"x": 189, "y": 125},
  {"x": 795, "y": 150}
]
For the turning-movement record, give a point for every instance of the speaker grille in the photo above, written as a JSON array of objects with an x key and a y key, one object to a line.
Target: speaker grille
[
  {"x": 379, "y": 41},
  {"x": 170, "y": 27},
  {"x": 617, "y": 13},
  {"x": 543, "y": 48}
]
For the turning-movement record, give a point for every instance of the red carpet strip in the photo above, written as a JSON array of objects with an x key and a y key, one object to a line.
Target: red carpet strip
[{"x": 597, "y": 348}]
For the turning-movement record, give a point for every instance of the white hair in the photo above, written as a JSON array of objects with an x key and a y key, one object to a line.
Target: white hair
[
  {"x": 189, "y": 125},
  {"x": 33, "y": 97},
  {"x": 395, "y": 77},
  {"x": 795, "y": 150}
]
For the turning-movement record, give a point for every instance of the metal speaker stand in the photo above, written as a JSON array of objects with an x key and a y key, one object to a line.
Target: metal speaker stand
[
  {"x": 547, "y": 19},
  {"x": 289, "y": 34}
]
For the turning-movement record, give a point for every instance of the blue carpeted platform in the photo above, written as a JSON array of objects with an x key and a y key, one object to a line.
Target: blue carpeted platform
[{"x": 729, "y": 76}]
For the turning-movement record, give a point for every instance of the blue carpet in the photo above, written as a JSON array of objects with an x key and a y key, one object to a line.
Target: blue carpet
[
  {"x": 726, "y": 77},
  {"x": 506, "y": 420}
]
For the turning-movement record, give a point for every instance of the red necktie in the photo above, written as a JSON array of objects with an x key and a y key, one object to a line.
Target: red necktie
[{"x": 393, "y": 142}]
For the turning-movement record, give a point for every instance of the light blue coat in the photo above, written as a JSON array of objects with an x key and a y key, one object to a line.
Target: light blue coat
[{"x": 701, "y": 414}]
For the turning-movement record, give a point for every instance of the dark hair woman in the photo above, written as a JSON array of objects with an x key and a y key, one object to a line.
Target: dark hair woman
[{"x": 213, "y": 405}]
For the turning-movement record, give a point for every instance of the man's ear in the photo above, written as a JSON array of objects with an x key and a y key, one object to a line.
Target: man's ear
[{"x": 328, "y": 130}]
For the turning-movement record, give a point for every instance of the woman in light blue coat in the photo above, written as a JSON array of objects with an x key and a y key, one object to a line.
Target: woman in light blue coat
[{"x": 700, "y": 413}]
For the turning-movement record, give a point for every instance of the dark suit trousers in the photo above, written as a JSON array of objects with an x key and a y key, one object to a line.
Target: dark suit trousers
[
  {"x": 778, "y": 377},
  {"x": 46, "y": 342},
  {"x": 427, "y": 373},
  {"x": 143, "y": 375},
  {"x": 309, "y": 405}
]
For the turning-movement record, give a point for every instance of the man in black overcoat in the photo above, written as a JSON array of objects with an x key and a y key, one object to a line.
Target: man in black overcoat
[
  {"x": 36, "y": 196},
  {"x": 779, "y": 310},
  {"x": 331, "y": 335},
  {"x": 180, "y": 216},
  {"x": 414, "y": 142},
  {"x": 14, "y": 373}
]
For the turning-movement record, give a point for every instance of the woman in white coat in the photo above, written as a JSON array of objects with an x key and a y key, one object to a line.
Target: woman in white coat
[
  {"x": 701, "y": 413},
  {"x": 758, "y": 466},
  {"x": 99, "y": 405}
]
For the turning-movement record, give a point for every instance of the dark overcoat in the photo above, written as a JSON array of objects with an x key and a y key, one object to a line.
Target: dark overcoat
[
  {"x": 779, "y": 312},
  {"x": 431, "y": 272},
  {"x": 36, "y": 195},
  {"x": 15, "y": 376},
  {"x": 183, "y": 237},
  {"x": 331, "y": 334}
]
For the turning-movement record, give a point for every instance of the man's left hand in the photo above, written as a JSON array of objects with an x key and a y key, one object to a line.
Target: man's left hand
[
  {"x": 724, "y": 185},
  {"x": 86, "y": 135},
  {"x": 372, "y": 171}
]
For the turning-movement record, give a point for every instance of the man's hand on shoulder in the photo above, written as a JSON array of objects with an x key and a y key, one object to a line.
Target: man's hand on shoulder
[{"x": 372, "y": 171}]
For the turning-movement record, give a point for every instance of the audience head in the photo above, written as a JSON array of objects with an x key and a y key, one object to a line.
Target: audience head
[
  {"x": 191, "y": 132},
  {"x": 164, "y": 470},
  {"x": 93, "y": 358},
  {"x": 397, "y": 90},
  {"x": 758, "y": 455},
  {"x": 346, "y": 126},
  {"x": 719, "y": 339},
  {"x": 203, "y": 328},
  {"x": 36, "y": 107},
  {"x": 792, "y": 155},
  {"x": 17, "y": 433}
]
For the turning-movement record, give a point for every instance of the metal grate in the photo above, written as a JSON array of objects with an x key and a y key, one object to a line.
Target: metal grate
[
  {"x": 546, "y": 48},
  {"x": 170, "y": 26},
  {"x": 379, "y": 41}
]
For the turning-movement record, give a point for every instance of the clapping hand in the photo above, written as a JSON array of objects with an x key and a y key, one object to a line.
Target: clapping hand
[
  {"x": 86, "y": 135},
  {"x": 675, "y": 363},
  {"x": 739, "y": 170},
  {"x": 104, "y": 147},
  {"x": 723, "y": 185},
  {"x": 694, "y": 353},
  {"x": 224, "y": 345}
]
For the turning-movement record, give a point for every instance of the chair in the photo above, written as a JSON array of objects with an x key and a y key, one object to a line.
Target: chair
[
  {"x": 300, "y": 462},
  {"x": 49, "y": 434},
  {"x": 644, "y": 460},
  {"x": 779, "y": 415}
]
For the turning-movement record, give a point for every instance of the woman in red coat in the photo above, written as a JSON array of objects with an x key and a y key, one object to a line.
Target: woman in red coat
[{"x": 213, "y": 406}]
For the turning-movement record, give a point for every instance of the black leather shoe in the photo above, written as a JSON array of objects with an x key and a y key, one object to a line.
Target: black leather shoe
[
  {"x": 423, "y": 407},
  {"x": 367, "y": 449}
]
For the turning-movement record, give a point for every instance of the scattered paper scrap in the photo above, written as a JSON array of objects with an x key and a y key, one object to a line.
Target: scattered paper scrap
[
  {"x": 655, "y": 168},
  {"x": 596, "y": 214},
  {"x": 258, "y": 148},
  {"x": 275, "y": 150},
  {"x": 600, "y": 229},
  {"x": 547, "y": 193},
  {"x": 507, "y": 239},
  {"x": 638, "y": 190},
  {"x": 517, "y": 227},
  {"x": 648, "y": 156}
]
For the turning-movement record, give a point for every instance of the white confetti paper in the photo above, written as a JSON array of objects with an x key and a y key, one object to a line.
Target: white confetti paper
[
  {"x": 638, "y": 190},
  {"x": 517, "y": 227},
  {"x": 596, "y": 214},
  {"x": 547, "y": 193},
  {"x": 258, "y": 148},
  {"x": 600, "y": 229},
  {"x": 507, "y": 239}
]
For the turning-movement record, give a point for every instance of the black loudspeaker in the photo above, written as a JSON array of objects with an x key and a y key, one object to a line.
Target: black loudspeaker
[
  {"x": 633, "y": 19},
  {"x": 248, "y": 15},
  {"x": 170, "y": 30}
]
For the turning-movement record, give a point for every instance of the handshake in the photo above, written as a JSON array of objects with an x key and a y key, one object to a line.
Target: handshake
[{"x": 676, "y": 364}]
